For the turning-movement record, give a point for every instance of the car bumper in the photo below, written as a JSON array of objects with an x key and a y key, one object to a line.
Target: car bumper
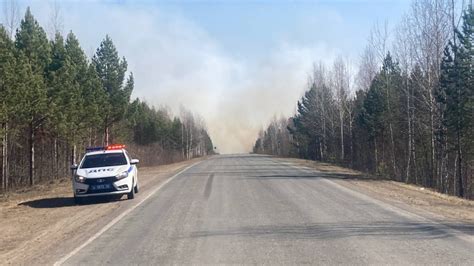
[
  {"x": 100, "y": 194},
  {"x": 89, "y": 189}
]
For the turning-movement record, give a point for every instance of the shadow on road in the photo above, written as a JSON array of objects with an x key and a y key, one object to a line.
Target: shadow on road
[
  {"x": 50, "y": 203},
  {"x": 60, "y": 202}
]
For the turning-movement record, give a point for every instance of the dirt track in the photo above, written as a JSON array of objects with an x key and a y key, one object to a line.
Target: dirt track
[{"x": 40, "y": 224}]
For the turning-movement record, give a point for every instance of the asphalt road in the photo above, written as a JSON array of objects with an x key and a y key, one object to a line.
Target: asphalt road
[{"x": 248, "y": 209}]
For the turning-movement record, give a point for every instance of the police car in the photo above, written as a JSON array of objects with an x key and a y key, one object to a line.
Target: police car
[{"x": 105, "y": 171}]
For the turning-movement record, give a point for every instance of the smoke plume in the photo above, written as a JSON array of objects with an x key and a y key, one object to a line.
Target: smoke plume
[{"x": 177, "y": 63}]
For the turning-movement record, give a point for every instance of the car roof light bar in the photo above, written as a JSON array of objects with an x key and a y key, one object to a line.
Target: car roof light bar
[
  {"x": 115, "y": 147},
  {"x": 90, "y": 149}
]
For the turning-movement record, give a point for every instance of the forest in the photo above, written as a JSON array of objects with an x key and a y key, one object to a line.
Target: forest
[
  {"x": 406, "y": 113},
  {"x": 55, "y": 102}
]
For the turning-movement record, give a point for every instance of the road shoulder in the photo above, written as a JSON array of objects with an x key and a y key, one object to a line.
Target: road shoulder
[{"x": 429, "y": 203}]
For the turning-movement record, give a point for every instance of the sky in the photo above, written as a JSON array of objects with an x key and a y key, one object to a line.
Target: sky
[{"x": 238, "y": 64}]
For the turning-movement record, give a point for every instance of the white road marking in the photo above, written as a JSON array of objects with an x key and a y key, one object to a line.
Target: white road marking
[{"x": 118, "y": 218}]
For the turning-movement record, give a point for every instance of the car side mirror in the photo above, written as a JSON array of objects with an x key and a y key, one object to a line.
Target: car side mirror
[
  {"x": 134, "y": 161},
  {"x": 74, "y": 167}
]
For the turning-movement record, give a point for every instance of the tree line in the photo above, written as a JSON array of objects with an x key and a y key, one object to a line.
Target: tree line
[
  {"x": 55, "y": 101},
  {"x": 411, "y": 118}
]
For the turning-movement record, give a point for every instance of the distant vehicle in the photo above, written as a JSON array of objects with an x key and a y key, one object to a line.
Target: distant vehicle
[{"x": 105, "y": 171}]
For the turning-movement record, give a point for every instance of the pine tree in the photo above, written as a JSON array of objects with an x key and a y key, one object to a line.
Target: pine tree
[
  {"x": 56, "y": 83},
  {"x": 371, "y": 117},
  {"x": 7, "y": 78},
  {"x": 311, "y": 124},
  {"x": 381, "y": 114},
  {"x": 457, "y": 97},
  {"x": 362, "y": 154},
  {"x": 32, "y": 41},
  {"x": 33, "y": 59},
  {"x": 111, "y": 71},
  {"x": 306, "y": 130},
  {"x": 31, "y": 105},
  {"x": 393, "y": 84},
  {"x": 91, "y": 96}
]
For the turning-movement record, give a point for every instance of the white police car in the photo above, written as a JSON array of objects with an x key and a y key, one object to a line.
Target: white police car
[{"x": 105, "y": 171}]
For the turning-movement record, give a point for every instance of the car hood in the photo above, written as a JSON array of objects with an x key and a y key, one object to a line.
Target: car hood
[{"x": 102, "y": 171}]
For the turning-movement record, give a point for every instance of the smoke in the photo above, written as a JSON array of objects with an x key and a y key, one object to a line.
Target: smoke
[
  {"x": 268, "y": 88},
  {"x": 176, "y": 63}
]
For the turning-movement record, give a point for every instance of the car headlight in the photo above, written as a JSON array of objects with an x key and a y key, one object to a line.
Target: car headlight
[
  {"x": 122, "y": 175},
  {"x": 79, "y": 179}
]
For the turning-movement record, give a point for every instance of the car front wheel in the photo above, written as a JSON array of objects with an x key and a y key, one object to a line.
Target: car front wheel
[
  {"x": 131, "y": 194},
  {"x": 78, "y": 200},
  {"x": 136, "y": 188}
]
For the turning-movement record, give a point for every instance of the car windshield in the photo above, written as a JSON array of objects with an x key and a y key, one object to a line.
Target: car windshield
[{"x": 105, "y": 159}]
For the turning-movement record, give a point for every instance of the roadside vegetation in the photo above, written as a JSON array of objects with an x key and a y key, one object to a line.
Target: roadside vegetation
[
  {"x": 406, "y": 113},
  {"x": 55, "y": 101}
]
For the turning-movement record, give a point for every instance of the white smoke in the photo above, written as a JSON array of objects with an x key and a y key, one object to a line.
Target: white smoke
[{"x": 177, "y": 63}]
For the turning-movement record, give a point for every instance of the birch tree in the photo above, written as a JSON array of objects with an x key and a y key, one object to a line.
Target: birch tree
[{"x": 11, "y": 16}]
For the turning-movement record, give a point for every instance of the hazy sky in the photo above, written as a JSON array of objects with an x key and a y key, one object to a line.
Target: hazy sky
[{"x": 236, "y": 63}]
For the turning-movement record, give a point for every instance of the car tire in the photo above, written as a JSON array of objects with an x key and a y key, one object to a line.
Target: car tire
[
  {"x": 78, "y": 201},
  {"x": 136, "y": 188},
  {"x": 131, "y": 194}
]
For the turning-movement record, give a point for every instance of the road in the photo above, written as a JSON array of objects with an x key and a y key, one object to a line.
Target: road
[{"x": 251, "y": 209}]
